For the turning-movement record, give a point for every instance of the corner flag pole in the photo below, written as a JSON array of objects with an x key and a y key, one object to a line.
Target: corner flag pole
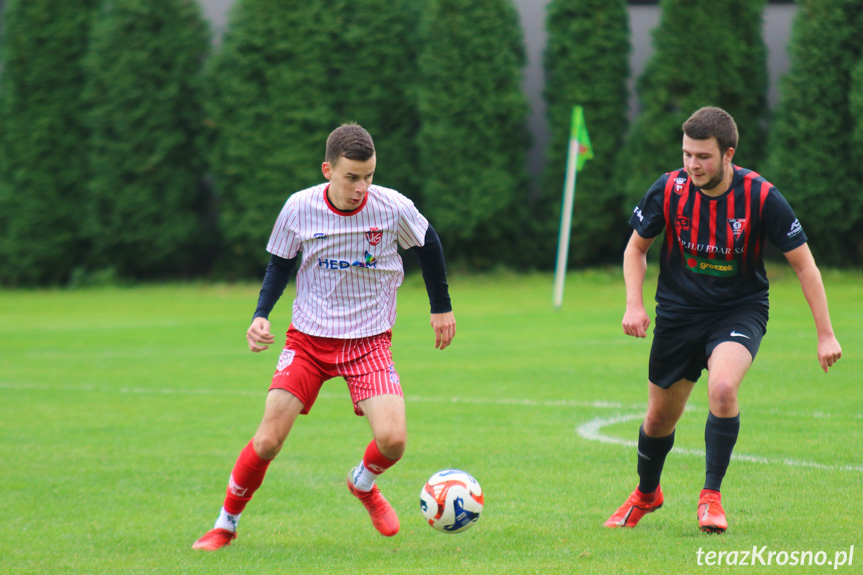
[{"x": 580, "y": 151}]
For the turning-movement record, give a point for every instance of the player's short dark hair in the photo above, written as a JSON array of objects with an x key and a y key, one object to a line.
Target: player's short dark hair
[
  {"x": 351, "y": 141},
  {"x": 709, "y": 122}
]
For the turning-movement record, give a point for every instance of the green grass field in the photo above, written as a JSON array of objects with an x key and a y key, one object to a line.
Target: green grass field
[{"x": 122, "y": 412}]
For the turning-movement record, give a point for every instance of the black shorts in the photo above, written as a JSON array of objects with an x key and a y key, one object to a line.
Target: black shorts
[{"x": 681, "y": 347}]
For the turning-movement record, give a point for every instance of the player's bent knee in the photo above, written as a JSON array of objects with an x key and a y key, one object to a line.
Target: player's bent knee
[
  {"x": 723, "y": 399},
  {"x": 661, "y": 422},
  {"x": 392, "y": 445},
  {"x": 723, "y": 408},
  {"x": 267, "y": 445}
]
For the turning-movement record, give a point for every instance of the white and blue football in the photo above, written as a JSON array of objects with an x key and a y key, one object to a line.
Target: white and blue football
[{"x": 451, "y": 501}]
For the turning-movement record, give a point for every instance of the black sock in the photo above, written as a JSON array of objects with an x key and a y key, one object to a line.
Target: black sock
[
  {"x": 720, "y": 435},
  {"x": 651, "y": 459}
]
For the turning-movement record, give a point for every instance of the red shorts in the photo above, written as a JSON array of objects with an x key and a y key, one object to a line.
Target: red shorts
[{"x": 308, "y": 361}]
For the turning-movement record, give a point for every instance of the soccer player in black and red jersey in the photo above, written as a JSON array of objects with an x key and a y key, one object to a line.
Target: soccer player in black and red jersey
[{"x": 711, "y": 301}]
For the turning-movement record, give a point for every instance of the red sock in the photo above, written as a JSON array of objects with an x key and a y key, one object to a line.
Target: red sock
[
  {"x": 375, "y": 461},
  {"x": 247, "y": 476}
]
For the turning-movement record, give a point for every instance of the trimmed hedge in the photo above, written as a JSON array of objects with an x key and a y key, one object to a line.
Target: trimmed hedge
[
  {"x": 111, "y": 140},
  {"x": 706, "y": 54},
  {"x": 286, "y": 76},
  {"x": 473, "y": 136},
  {"x": 43, "y": 141},
  {"x": 146, "y": 202},
  {"x": 586, "y": 63},
  {"x": 816, "y": 154}
]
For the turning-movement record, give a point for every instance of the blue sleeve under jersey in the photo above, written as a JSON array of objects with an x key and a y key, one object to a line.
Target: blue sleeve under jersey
[
  {"x": 431, "y": 258},
  {"x": 276, "y": 279}
]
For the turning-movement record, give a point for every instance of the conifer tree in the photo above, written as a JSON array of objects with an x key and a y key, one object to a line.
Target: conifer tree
[
  {"x": 586, "y": 63},
  {"x": 815, "y": 154},
  {"x": 288, "y": 74},
  {"x": 270, "y": 111},
  {"x": 855, "y": 101},
  {"x": 43, "y": 140},
  {"x": 706, "y": 54},
  {"x": 373, "y": 72},
  {"x": 473, "y": 137},
  {"x": 146, "y": 202}
]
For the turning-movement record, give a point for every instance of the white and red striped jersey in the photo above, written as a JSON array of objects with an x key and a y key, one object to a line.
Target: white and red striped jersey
[{"x": 351, "y": 268}]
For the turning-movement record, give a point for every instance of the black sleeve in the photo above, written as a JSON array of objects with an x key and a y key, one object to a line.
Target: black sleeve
[
  {"x": 276, "y": 279},
  {"x": 648, "y": 217},
  {"x": 783, "y": 227},
  {"x": 430, "y": 256}
]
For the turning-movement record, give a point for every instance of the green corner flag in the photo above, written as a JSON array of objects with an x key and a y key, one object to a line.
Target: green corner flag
[
  {"x": 580, "y": 151},
  {"x": 579, "y": 134}
]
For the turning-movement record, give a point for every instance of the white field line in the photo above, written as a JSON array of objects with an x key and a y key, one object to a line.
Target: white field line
[
  {"x": 592, "y": 431},
  {"x": 261, "y": 392}
]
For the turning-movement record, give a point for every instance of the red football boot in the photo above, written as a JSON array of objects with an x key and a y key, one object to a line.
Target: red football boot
[
  {"x": 215, "y": 539},
  {"x": 711, "y": 516},
  {"x": 637, "y": 506},
  {"x": 383, "y": 516}
]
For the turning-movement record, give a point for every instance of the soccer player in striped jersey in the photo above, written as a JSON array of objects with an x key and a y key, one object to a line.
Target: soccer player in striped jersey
[
  {"x": 711, "y": 301},
  {"x": 349, "y": 232}
]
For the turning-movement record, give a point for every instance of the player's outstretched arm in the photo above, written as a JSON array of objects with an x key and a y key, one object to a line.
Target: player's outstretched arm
[
  {"x": 829, "y": 350},
  {"x": 444, "y": 329},
  {"x": 258, "y": 335},
  {"x": 635, "y": 319},
  {"x": 275, "y": 280},
  {"x": 431, "y": 258}
]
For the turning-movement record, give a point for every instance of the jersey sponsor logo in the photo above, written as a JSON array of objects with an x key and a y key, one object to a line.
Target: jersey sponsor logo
[
  {"x": 796, "y": 228},
  {"x": 737, "y": 226},
  {"x": 738, "y": 334},
  {"x": 637, "y": 212},
  {"x": 681, "y": 223},
  {"x": 285, "y": 359},
  {"x": 374, "y": 236},
  {"x": 368, "y": 261},
  {"x": 719, "y": 268},
  {"x": 333, "y": 264},
  {"x": 678, "y": 185},
  {"x": 707, "y": 248},
  {"x": 319, "y": 236}
]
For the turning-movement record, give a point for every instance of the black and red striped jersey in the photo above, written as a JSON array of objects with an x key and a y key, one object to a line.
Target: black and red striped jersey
[{"x": 712, "y": 253}]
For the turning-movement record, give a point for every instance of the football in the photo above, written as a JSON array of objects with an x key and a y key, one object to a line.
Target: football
[{"x": 451, "y": 501}]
